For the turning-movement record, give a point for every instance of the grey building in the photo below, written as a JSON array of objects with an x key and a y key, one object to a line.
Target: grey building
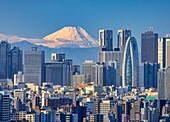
[
  {"x": 15, "y": 64},
  {"x": 106, "y": 40},
  {"x": 113, "y": 73},
  {"x": 56, "y": 72},
  {"x": 99, "y": 74},
  {"x": 150, "y": 74},
  {"x": 4, "y": 59},
  {"x": 164, "y": 84},
  {"x": 4, "y": 106},
  {"x": 34, "y": 66},
  {"x": 149, "y": 47},
  {"x": 87, "y": 70},
  {"x": 122, "y": 36}
]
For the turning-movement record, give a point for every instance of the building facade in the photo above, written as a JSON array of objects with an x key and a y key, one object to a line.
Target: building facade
[
  {"x": 149, "y": 47},
  {"x": 130, "y": 65},
  {"x": 34, "y": 66}
]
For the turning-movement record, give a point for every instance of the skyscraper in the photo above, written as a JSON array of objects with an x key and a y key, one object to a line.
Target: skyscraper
[
  {"x": 150, "y": 74},
  {"x": 164, "y": 52},
  {"x": 122, "y": 36},
  {"x": 15, "y": 57},
  {"x": 106, "y": 40},
  {"x": 87, "y": 70},
  {"x": 130, "y": 65},
  {"x": 56, "y": 72},
  {"x": 149, "y": 47},
  {"x": 164, "y": 84},
  {"x": 113, "y": 73},
  {"x": 99, "y": 74},
  {"x": 4, "y": 106},
  {"x": 4, "y": 59},
  {"x": 34, "y": 66}
]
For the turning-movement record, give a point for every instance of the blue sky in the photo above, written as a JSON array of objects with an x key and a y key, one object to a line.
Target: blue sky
[{"x": 37, "y": 18}]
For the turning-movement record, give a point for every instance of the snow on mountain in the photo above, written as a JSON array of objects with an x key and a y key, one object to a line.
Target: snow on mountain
[
  {"x": 70, "y": 37},
  {"x": 13, "y": 39}
]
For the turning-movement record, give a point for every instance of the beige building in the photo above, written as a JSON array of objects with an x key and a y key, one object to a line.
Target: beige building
[{"x": 164, "y": 52}]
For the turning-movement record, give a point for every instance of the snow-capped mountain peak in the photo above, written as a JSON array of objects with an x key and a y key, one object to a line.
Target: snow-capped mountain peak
[{"x": 70, "y": 37}]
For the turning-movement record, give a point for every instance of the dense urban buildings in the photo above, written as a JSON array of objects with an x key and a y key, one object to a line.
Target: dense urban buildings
[{"x": 116, "y": 88}]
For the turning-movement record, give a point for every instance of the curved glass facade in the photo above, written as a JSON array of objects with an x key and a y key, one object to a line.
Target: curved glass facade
[{"x": 130, "y": 65}]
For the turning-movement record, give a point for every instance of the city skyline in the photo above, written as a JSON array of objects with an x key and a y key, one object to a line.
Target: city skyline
[{"x": 37, "y": 21}]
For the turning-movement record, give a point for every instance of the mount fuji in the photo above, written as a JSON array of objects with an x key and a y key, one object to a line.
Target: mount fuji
[{"x": 74, "y": 37}]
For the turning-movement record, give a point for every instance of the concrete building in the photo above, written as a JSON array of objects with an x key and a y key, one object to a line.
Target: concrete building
[
  {"x": 87, "y": 70},
  {"x": 122, "y": 36},
  {"x": 4, "y": 106},
  {"x": 163, "y": 83},
  {"x": 149, "y": 47},
  {"x": 106, "y": 40},
  {"x": 99, "y": 74},
  {"x": 34, "y": 66},
  {"x": 15, "y": 64},
  {"x": 56, "y": 72},
  {"x": 150, "y": 74},
  {"x": 4, "y": 60},
  {"x": 164, "y": 51},
  {"x": 76, "y": 79}
]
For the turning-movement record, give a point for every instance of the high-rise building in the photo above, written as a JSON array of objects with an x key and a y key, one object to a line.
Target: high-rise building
[
  {"x": 106, "y": 40},
  {"x": 130, "y": 65},
  {"x": 56, "y": 72},
  {"x": 164, "y": 84},
  {"x": 164, "y": 52},
  {"x": 34, "y": 66},
  {"x": 4, "y": 106},
  {"x": 123, "y": 35},
  {"x": 4, "y": 59},
  {"x": 113, "y": 73},
  {"x": 149, "y": 47},
  {"x": 15, "y": 64},
  {"x": 150, "y": 74},
  {"x": 99, "y": 74},
  {"x": 141, "y": 75},
  {"x": 87, "y": 70}
]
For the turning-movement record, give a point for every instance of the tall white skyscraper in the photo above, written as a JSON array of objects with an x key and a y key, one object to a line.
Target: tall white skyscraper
[
  {"x": 130, "y": 65},
  {"x": 164, "y": 52}
]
